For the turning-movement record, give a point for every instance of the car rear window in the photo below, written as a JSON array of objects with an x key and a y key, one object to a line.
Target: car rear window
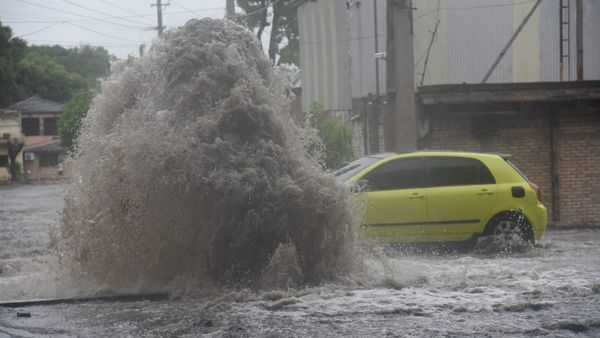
[
  {"x": 517, "y": 170},
  {"x": 456, "y": 171}
]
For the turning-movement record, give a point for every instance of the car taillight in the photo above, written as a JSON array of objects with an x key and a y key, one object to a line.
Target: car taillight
[{"x": 538, "y": 191}]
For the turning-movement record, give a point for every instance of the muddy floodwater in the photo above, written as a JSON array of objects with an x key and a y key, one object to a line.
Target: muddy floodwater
[{"x": 551, "y": 290}]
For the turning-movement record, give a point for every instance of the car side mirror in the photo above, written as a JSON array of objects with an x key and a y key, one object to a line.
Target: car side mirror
[{"x": 361, "y": 185}]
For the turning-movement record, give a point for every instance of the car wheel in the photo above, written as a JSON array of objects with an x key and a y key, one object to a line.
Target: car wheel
[{"x": 510, "y": 225}]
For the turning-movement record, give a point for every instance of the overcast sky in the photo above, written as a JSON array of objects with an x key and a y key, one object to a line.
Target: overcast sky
[{"x": 119, "y": 26}]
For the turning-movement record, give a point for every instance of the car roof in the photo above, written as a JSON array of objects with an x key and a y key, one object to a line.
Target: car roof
[{"x": 432, "y": 152}]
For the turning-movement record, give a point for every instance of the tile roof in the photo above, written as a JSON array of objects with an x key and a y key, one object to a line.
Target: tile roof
[{"x": 36, "y": 104}]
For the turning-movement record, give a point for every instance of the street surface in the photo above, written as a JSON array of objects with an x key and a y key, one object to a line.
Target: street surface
[{"x": 552, "y": 290}]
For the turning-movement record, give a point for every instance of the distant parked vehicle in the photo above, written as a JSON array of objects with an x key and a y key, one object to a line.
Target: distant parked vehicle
[{"x": 433, "y": 196}]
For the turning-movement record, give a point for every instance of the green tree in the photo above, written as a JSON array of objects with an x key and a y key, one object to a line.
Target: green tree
[
  {"x": 336, "y": 139},
  {"x": 88, "y": 61},
  {"x": 282, "y": 17},
  {"x": 48, "y": 79},
  {"x": 11, "y": 51},
  {"x": 73, "y": 113}
]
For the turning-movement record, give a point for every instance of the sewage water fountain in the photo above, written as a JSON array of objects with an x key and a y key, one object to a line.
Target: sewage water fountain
[{"x": 190, "y": 171}]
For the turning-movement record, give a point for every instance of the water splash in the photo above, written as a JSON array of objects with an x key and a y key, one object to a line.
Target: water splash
[{"x": 190, "y": 168}]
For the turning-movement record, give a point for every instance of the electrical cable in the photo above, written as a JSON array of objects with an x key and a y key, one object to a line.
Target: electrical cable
[
  {"x": 182, "y": 6},
  {"x": 120, "y": 17},
  {"x": 473, "y": 7},
  {"x": 100, "y": 33},
  {"x": 96, "y": 11},
  {"x": 127, "y": 10},
  {"x": 76, "y": 14},
  {"x": 258, "y": 10},
  {"x": 39, "y": 30}
]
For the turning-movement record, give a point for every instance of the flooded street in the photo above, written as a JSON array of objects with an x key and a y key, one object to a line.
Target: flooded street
[{"x": 552, "y": 290}]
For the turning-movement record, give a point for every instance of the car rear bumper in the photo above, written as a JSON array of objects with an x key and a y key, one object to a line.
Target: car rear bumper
[{"x": 538, "y": 217}]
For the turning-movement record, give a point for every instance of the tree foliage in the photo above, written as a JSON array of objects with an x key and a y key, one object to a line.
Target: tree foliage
[
  {"x": 335, "y": 138},
  {"x": 52, "y": 72},
  {"x": 11, "y": 51},
  {"x": 282, "y": 17},
  {"x": 88, "y": 61},
  {"x": 48, "y": 79},
  {"x": 73, "y": 113}
]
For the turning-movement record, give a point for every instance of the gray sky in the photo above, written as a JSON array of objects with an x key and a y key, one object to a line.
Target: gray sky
[{"x": 120, "y": 26}]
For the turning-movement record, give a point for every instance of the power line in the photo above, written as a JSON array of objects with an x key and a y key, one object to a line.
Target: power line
[
  {"x": 77, "y": 14},
  {"x": 258, "y": 10},
  {"x": 100, "y": 33},
  {"x": 342, "y": 40},
  {"x": 182, "y": 6},
  {"x": 473, "y": 7},
  {"x": 145, "y": 16},
  {"x": 39, "y": 30},
  {"x": 97, "y": 43},
  {"x": 127, "y": 10},
  {"x": 94, "y": 10}
]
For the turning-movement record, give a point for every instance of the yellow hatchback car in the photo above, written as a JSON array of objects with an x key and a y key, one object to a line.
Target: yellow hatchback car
[{"x": 433, "y": 196}]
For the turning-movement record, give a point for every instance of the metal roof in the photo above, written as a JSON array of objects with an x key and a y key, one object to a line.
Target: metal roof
[{"x": 36, "y": 104}]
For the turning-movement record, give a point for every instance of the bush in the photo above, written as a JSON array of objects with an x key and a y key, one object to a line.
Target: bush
[
  {"x": 336, "y": 139},
  {"x": 73, "y": 113}
]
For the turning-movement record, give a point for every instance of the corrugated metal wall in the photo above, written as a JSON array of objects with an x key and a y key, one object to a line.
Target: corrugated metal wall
[
  {"x": 324, "y": 54},
  {"x": 476, "y": 36},
  {"x": 470, "y": 36},
  {"x": 361, "y": 17},
  {"x": 549, "y": 41},
  {"x": 591, "y": 40}
]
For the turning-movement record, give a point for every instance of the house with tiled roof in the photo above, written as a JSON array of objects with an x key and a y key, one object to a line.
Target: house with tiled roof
[{"x": 42, "y": 154}]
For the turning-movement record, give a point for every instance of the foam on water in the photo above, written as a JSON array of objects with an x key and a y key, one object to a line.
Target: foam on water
[{"x": 190, "y": 169}]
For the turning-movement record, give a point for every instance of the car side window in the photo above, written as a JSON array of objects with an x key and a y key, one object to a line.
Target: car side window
[
  {"x": 456, "y": 171},
  {"x": 397, "y": 174}
]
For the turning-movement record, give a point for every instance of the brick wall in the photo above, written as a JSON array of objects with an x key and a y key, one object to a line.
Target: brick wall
[
  {"x": 578, "y": 145},
  {"x": 528, "y": 138}
]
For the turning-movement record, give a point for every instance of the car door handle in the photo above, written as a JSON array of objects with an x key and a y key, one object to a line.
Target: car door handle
[
  {"x": 485, "y": 192},
  {"x": 416, "y": 196}
]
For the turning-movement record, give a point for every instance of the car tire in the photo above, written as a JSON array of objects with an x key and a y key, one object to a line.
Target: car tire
[{"x": 510, "y": 224}]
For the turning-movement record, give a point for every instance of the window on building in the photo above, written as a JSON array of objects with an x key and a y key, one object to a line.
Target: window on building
[
  {"x": 50, "y": 126},
  {"x": 48, "y": 160},
  {"x": 453, "y": 171},
  {"x": 397, "y": 174},
  {"x": 30, "y": 126},
  {"x": 3, "y": 161}
]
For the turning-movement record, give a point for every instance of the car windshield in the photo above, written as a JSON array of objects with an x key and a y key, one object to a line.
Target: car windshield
[{"x": 348, "y": 171}]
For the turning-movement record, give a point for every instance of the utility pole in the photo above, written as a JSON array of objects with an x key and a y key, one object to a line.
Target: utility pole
[
  {"x": 372, "y": 121},
  {"x": 579, "y": 19},
  {"x": 230, "y": 9},
  {"x": 400, "y": 122},
  {"x": 159, "y": 7}
]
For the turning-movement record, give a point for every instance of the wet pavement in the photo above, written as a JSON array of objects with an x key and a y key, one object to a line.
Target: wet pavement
[{"x": 552, "y": 290}]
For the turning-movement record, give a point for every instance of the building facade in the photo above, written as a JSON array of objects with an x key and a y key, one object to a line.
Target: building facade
[
  {"x": 42, "y": 154},
  {"x": 551, "y": 127}
]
